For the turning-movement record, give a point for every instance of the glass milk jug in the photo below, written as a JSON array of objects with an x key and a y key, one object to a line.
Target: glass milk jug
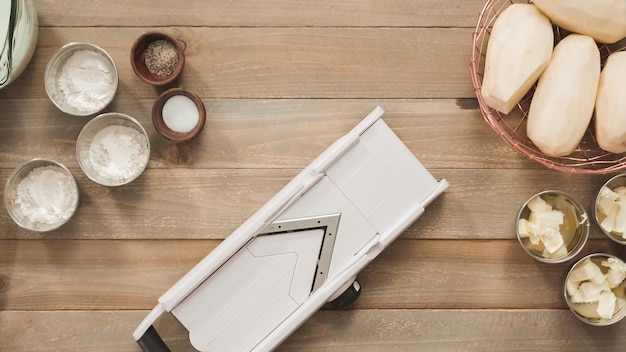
[{"x": 18, "y": 38}]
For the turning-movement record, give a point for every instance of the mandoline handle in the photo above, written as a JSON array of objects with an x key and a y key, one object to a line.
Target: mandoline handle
[{"x": 150, "y": 341}]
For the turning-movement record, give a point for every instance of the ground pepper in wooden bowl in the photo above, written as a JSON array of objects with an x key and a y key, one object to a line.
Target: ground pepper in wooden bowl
[
  {"x": 161, "y": 58},
  {"x": 157, "y": 58}
]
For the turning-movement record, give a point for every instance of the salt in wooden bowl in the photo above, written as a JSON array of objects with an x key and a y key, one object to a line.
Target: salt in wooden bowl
[{"x": 178, "y": 115}]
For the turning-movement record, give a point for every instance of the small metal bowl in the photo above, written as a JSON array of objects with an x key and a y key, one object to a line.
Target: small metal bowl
[
  {"x": 178, "y": 115},
  {"x": 154, "y": 72},
  {"x": 35, "y": 200},
  {"x": 86, "y": 93},
  {"x": 613, "y": 183},
  {"x": 113, "y": 149},
  {"x": 586, "y": 312},
  {"x": 575, "y": 227}
]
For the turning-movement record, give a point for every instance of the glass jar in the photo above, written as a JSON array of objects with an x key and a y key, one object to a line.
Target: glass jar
[{"x": 18, "y": 38}]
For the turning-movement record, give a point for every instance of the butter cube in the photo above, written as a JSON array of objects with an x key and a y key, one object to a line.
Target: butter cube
[
  {"x": 606, "y": 305},
  {"x": 537, "y": 204},
  {"x": 579, "y": 297},
  {"x": 606, "y": 200},
  {"x": 585, "y": 271},
  {"x": 547, "y": 219},
  {"x": 571, "y": 287},
  {"x": 533, "y": 232},
  {"x": 591, "y": 289},
  {"x": 522, "y": 228},
  {"x": 615, "y": 278},
  {"x": 616, "y": 273},
  {"x": 606, "y": 205},
  {"x": 620, "y": 219},
  {"x": 608, "y": 224},
  {"x": 621, "y": 191},
  {"x": 552, "y": 240},
  {"x": 559, "y": 252}
]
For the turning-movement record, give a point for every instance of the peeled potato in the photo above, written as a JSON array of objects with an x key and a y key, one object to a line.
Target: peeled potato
[
  {"x": 610, "y": 113},
  {"x": 603, "y": 20},
  {"x": 519, "y": 49}
]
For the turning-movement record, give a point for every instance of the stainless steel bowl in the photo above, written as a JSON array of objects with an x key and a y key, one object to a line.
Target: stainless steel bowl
[
  {"x": 587, "y": 312},
  {"x": 574, "y": 230},
  {"x": 113, "y": 149},
  {"x": 613, "y": 183},
  {"x": 81, "y": 79},
  {"x": 41, "y": 195}
]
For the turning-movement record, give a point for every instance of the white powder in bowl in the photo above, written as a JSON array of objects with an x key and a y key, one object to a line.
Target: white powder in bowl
[
  {"x": 86, "y": 81},
  {"x": 180, "y": 114},
  {"x": 118, "y": 153},
  {"x": 46, "y": 196}
]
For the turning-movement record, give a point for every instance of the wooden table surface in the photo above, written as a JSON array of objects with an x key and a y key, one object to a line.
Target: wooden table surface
[{"x": 281, "y": 80}]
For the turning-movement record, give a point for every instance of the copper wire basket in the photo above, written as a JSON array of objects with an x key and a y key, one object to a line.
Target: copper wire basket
[{"x": 588, "y": 158}]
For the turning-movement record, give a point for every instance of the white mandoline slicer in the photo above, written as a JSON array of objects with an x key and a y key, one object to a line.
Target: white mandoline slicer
[{"x": 303, "y": 248}]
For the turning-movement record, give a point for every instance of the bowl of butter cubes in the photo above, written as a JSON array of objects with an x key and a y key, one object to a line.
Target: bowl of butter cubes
[
  {"x": 552, "y": 227},
  {"x": 595, "y": 289},
  {"x": 610, "y": 208}
]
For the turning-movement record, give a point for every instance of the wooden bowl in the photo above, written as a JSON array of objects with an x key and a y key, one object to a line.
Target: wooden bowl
[
  {"x": 160, "y": 122},
  {"x": 138, "y": 58}
]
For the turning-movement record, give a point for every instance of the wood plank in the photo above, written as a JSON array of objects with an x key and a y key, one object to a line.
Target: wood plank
[
  {"x": 199, "y": 204},
  {"x": 222, "y": 13},
  {"x": 498, "y": 274},
  {"x": 289, "y": 62},
  {"x": 452, "y": 330},
  {"x": 276, "y": 133},
  {"x": 351, "y": 331},
  {"x": 410, "y": 274}
]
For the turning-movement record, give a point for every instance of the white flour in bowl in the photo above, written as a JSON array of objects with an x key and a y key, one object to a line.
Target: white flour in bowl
[
  {"x": 47, "y": 195},
  {"x": 87, "y": 81},
  {"x": 119, "y": 153}
]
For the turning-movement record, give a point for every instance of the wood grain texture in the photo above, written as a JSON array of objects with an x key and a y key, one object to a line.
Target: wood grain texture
[
  {"x": 452, "y": 330},
  {"x": 353, "y": 331},
  {"x": 273, "y": 13},
  {"x": 274, "y": 133},
  {"x": 410, "y": 274},
  {"x": 290, "y": 62},
  {"x": 198, "y": 204}
]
